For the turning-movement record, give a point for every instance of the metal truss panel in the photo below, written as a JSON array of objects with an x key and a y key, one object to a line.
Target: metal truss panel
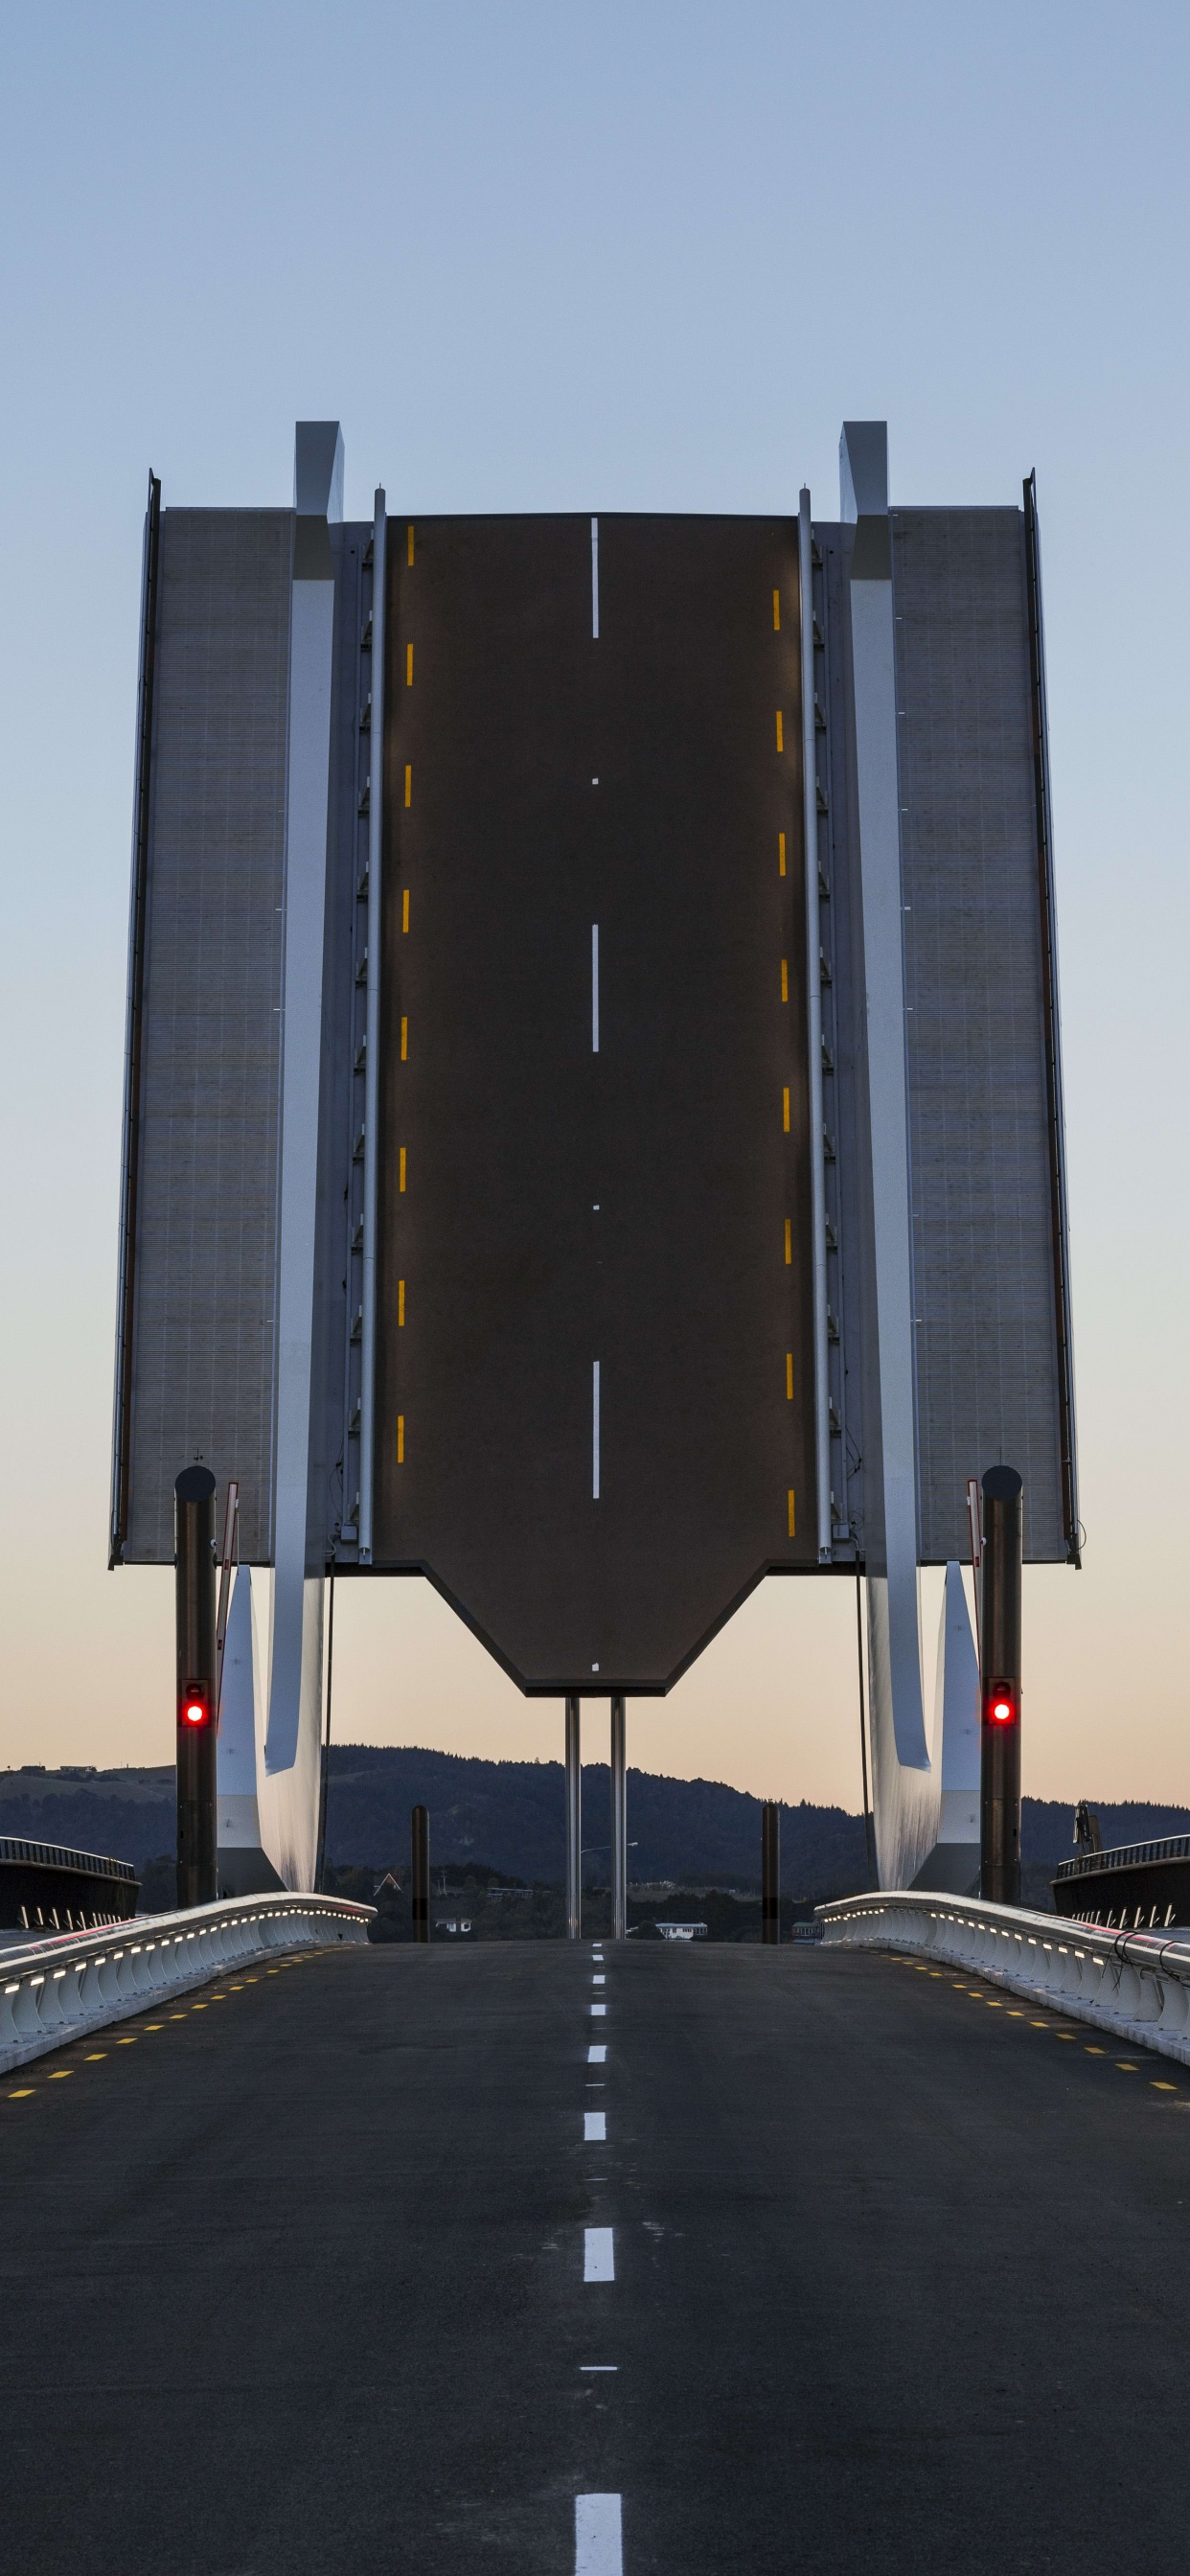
[
  {"x": 202, "y": 1276},
  {"x": 983, "y": 1248}
]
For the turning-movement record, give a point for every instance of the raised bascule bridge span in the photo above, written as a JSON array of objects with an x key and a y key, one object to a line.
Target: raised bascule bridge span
[
  {"x": 593, "y": 1129},
  {"x": 594, "y": 1139}
]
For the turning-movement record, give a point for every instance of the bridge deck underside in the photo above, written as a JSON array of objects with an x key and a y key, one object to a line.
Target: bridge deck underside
[{"x": 295, "y": 2279}]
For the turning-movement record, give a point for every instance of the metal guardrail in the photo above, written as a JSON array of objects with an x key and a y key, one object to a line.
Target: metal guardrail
[
  {"x": 57, "y": 1856},
  {"x": 55, "y": 1990},
  {"x": 1134, "y": 1984},
  {"x": 1125, "y": 1856}
]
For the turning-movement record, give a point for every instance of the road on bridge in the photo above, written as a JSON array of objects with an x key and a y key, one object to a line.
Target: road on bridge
[{"x": 685, "y": 2261}]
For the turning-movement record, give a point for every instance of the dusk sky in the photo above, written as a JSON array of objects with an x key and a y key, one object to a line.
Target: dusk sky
[{"x": 544, "y": 258}]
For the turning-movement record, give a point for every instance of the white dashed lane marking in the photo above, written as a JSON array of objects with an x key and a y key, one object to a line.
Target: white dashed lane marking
[
  {"x": 599, "y": 2011},
  {"x": 597, "y": 2056},
  {"x": 594, "y": 2128},
  {"x": 599, "y": 2254},
  {"x": 598, "y": 2540}
]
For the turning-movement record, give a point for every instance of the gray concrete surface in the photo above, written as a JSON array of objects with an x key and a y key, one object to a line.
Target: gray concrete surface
[{"x": 293, "y": 2279}]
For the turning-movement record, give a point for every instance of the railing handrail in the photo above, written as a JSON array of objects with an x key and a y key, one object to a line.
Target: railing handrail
[
  {"x": 59, "y": 1856},
  {"x": 1126, "y": 1856},
  {"x": 53, "y": 1991},
  {"x": 1063, "y": 1934},
  {"x": 152, "y": 1931}
]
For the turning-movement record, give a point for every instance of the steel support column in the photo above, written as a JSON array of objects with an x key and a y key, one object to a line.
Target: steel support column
[
  {"x": 574, "y": 1824},
  {"x": 619, "y": 1772},
  {"x": 770, "y": 1871},
  {"x": 420, "y": 1872},
  {"x": 1000, "y": 1689},
  {"x": 194, "y": 1592}
]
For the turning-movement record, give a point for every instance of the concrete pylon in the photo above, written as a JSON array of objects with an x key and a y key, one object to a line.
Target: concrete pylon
[
  {"x": 244, "y": 1868},
  {"x": 953, "y": 1864},
  {"x": 291, "y": 1776}
]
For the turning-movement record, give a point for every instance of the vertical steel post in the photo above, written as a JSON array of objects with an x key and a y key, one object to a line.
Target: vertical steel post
[
  {"x": 367, "y": 1419},
  {"x": 619, "y": 1771},
  {"x": 1000, "y": 1689},
  {"x": 420, "y": 1873},
  {"x": 770, "y": 1871},
  {"x": 197, "y": 1679},
  {"x": 574, "y": 1824},
  {"x": 822, "y": 1418}
]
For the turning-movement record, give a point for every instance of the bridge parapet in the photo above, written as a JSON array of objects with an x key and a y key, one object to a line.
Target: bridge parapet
[
  {"x": 1134, "y": 1984},
  {"x": 55, "y": 1991}
]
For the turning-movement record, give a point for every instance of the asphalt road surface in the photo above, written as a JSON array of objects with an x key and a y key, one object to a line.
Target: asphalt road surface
[{"x": 332, "y": 2269}]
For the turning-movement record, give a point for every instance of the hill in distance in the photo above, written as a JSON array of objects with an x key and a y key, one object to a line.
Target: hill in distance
[{"x": 509, "y": 1816}]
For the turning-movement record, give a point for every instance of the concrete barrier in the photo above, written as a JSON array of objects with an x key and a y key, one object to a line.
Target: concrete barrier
[
  {"x": 53, "y": 1991},
  {"x": 1134, "y": 1984}
]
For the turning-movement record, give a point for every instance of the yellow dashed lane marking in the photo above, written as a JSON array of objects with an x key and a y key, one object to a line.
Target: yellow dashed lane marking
[
  {"x": 788, "y": 1241},
  {"x": 409, "y": 666},
  {"x": 792, "y": 1514},
  {"x": 409, "y": 783},
  {"x": 776, "y": 612},
  {"x": 401, "y": 1178},
  {"x": 781, "y": 852},
  {"x": 785, "y": 979},
  {"x": 785, "y": 1110},
  {"x": 400, "y": 1320},
  {"x": 400, "y": 1439},
  {"x": 404, "y": 1040},
  {"x": 22, "y": 2093},
  {"x": 780, "y": 737},
  {"x": 789, "y": 1376},
  {"x": 411, "y": 545},
  {"x": 405, "y": 909},
  {"x": 59, "y": 2074}
]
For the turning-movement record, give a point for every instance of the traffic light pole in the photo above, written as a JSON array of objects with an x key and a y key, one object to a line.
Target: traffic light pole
[
  {"x": 1000, "y": 1688},
  {"x": 197, "y": 1710},
  {"x": 574, "y": 1824},
  {"x": 770, "y": 1871}
]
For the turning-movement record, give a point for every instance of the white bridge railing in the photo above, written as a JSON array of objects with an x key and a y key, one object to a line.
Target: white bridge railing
[
  {"x": 1134, "y": 1984},
  {"x": 53, "y": 1991}
]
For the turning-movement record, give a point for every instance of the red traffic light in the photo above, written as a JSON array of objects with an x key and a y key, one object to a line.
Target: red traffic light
[
  {"x": 1002, "y": 1704},
  {"x": 196, "y": 1706}
]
